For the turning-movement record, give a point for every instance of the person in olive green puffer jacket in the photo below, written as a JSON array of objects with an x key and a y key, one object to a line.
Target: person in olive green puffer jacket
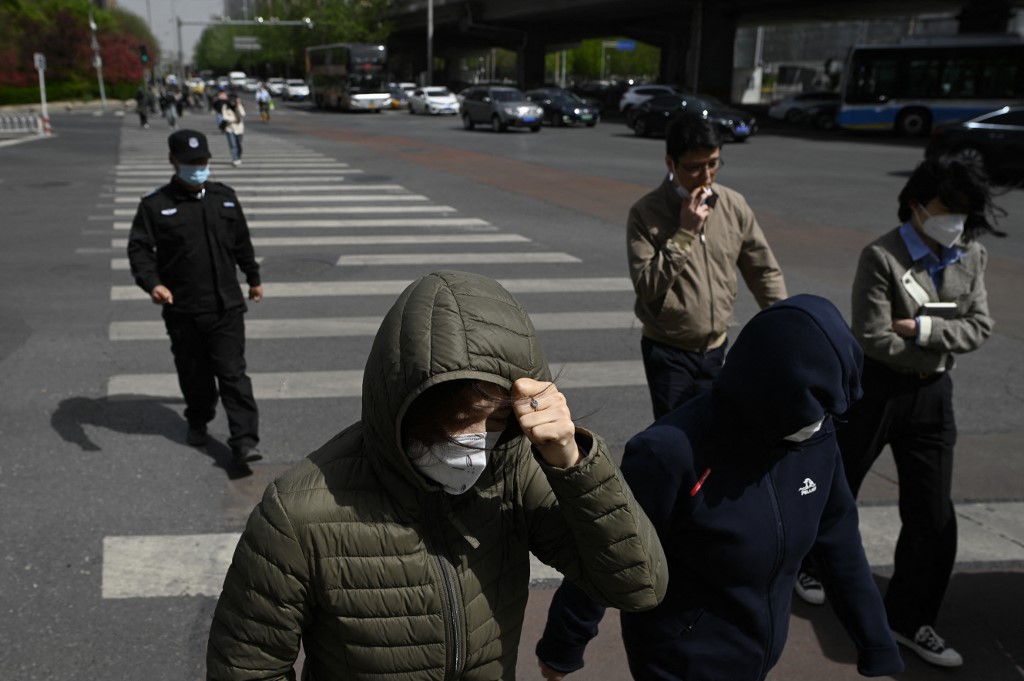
[{"x": 389, "y": 554}]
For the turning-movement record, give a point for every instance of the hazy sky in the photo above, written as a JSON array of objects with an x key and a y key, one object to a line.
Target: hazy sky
[{"x": 161, "y": 17}]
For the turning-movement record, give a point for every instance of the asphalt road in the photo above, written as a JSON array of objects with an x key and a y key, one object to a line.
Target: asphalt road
[{"x": 98, "y": 491}]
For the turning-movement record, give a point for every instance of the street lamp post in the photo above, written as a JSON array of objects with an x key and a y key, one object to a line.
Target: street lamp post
[{"x": 97, "y": 61}]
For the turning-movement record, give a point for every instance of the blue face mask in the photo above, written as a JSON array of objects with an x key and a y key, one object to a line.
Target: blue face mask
[{"x": 194, "y": 175}]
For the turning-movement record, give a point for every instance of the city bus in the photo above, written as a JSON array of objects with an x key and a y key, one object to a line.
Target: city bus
[
  {"x": 348, "y": 77},
  {"x": 924, "y": 81}
]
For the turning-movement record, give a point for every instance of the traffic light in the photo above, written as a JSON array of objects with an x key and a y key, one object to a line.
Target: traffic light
[{"x": 144, "y": 54}]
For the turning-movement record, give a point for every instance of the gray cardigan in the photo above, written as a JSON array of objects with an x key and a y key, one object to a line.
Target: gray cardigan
[{"x": 889, "y": 286}]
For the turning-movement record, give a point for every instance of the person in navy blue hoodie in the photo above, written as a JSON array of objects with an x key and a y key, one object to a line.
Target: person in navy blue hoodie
[{"x": 741, "y": 483}]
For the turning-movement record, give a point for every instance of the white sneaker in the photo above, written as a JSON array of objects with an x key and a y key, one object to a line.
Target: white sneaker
[
  {"x": 236, "y": 163},
  {"x": 931, "y": 647},
  {"x": 809, "y": 588}
]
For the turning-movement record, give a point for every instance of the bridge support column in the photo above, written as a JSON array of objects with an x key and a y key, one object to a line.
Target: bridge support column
[
  {"x": 711, "y": 49},
  {"x": 985, "y": 16},
  {"x": 530, "y": 62}
]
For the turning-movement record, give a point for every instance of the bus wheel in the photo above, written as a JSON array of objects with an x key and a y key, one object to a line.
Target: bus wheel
[{"x": 913, "y": 122}]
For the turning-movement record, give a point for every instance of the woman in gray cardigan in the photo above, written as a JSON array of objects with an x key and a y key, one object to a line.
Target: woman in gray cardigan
[{"x": 918, "y": 300}]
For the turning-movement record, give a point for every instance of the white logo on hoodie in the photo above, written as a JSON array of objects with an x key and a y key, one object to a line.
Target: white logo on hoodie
[{"x": 809, "y": 487}]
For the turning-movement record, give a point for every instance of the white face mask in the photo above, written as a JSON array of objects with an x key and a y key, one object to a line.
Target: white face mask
[
  {"x": 806, "y": 432},
  {"x": 945, "y": 229},
  {"x": 454, "y": 464}
]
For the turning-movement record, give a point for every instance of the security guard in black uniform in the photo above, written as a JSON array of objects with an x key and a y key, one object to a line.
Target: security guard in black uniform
[{"x": 186, "y": 240}]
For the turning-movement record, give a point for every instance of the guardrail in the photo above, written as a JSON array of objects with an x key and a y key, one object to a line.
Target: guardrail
[{"x": 23, "y": 124}]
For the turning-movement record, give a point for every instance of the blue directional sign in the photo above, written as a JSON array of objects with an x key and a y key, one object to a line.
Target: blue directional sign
[{"x": 625, "y": 45}]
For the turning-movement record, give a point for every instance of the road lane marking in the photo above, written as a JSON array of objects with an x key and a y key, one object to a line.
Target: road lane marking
[
  {"x": 375, "y": 240},
  {"x": 134, "y": 190},
  {"x": 334, "y": 210},
  {"x": 234, "y": 174},
  {"x": 455, "y": 258},
  {"x": 336, "y": 327},
  {"x": 293, "y": 385},
  {"x": 162, "y": 566},
  {"x": 392, "y": 287},
  {"x": 395, "y": 195},
  {"x": 476, "y": 223}
]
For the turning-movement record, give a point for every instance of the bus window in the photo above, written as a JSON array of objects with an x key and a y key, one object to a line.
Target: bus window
[
  {"x": 875, "y": 80},
  {"x": 923, "y": 77}
]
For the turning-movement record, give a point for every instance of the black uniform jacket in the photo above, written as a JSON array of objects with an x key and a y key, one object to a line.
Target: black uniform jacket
[{"x": 191, "y": 244}]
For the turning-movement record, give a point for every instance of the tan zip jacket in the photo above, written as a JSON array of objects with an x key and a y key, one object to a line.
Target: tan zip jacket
[
  {"x": 889, "y": 286},
  {"x": 686, "y": 285},
  {"x": 383, "y": 575}
]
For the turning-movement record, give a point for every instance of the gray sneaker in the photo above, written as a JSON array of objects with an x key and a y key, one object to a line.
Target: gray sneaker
[{"x": 931, "y": 647}]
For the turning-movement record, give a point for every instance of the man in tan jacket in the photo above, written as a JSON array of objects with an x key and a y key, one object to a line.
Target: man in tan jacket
[{"x": 685, "y": 240}]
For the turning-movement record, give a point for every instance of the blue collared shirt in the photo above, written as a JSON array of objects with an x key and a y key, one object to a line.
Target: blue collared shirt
[{"x": 920, "y": 252}]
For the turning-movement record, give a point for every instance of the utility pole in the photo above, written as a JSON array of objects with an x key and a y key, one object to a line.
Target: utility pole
[
  {"x": 430, "y": 42},
  {"x": 97, "y": 61}
]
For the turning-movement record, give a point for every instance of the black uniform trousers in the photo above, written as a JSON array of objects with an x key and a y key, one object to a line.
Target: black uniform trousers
[
  {"x": 675, "y": 375},
  {"x": 914, "y": 415},
  {"x": 209, "y": 354}
]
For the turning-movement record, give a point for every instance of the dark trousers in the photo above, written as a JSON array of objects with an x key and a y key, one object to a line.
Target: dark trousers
[
  {"x": 209, "y": 354},
  {"x": 675, "y": 376},
  {"x": 914, "y": 416}
]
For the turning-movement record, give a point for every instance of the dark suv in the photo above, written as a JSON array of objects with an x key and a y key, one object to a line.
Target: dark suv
[{"x": 500, "y": 107}]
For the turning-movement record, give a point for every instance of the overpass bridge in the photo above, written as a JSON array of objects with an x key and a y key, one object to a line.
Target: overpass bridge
[{"x": 695, "y": 37}]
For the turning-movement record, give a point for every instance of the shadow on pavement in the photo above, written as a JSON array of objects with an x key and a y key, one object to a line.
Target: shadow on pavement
[
  {"x": 980, "y": 618},
  {"x": 134, "y": 417}
]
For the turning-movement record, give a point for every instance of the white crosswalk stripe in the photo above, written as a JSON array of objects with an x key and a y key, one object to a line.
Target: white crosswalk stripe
[{"x": 194, "y": 565}]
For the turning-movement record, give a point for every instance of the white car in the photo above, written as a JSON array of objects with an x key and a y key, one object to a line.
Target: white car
[
  {"x": 638, "y": 94},
  {"x": 792, "y": 109},
  {"x": 275, "y": 86},
  {"x": 433, "y": 100},
  {"x": 296, "y": 90}
]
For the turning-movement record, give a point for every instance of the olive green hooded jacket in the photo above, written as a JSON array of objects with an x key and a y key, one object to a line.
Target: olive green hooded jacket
[{"x": 384, "y": 576}]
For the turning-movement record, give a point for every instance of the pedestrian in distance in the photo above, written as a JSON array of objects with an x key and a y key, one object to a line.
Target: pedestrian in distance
[
  {"x": 919, "y": 300},
  {"x": 233, "y": 120},
  {"x": 142, "y": 107},
  {"x": 401, "y": 548},
  {"x": 685, "y": 240},
  {"x": 740, "y": 483},
  {"x": 263, "y": 101},
  {"x": 187, "y": 241},
  {"x": 169, "y": 107}
]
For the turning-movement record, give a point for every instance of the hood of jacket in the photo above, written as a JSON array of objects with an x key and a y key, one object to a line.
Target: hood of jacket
[
  {"x": 794, "y": 363},
  {"x": 444, "y": 326}
]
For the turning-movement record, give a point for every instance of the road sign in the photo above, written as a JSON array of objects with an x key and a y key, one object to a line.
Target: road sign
[
  {"x": 247, "y": 43},
  {"x": 625, "y": 45},
  {"x": 39, "y": 59}
]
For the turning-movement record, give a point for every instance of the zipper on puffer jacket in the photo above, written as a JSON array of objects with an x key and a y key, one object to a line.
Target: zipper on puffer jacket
[
  {"x": 451, "y": 595},
  {"x": 773, "y": 496}
]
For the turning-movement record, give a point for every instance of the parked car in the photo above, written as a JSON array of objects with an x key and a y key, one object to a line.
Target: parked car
[
  {"x": 793, "y": 109},
  {"x": 433, "y": 100},
  {"x": 654, "y": 115},
  {"x": 251, "y": 84},
  {"x": 996, "y": 139},
  {"x": 296, "y": 90},
  {"x": 638, "y": 94},
  {"x": 500, "y": 107},
  {"x": 562, "y": 107},
  {"x": 275, "y": 86},
  {"x": 408, "y": 87}
]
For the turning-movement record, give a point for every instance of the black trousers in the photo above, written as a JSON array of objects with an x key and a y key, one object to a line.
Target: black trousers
[
  {"x": 914, "y": 416},
  {"x": 209, "y": 354},
  {"x": 675, "y": 376}
]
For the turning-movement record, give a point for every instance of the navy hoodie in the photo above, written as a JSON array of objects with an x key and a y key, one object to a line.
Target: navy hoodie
[{"x": 737, "y": 507}]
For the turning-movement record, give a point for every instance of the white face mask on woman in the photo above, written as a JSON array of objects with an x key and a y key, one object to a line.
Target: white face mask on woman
[
  {"x": 945, "y": 229},
  {"x": 454, "y": 464}
]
